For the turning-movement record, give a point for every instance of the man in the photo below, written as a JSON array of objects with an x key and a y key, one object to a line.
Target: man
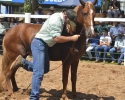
[
  {"x": 49, "y": 34},
  {"x": 40, "y": 10},
  {"x": 119, "y": 46},
  {"x": 114, "y": 31},
  {"x": 101, "y": 26},
  {"x": 51, "y": 10},
  {"x": 4, "y": 26},
  {"x": 114, "y": 9},
  {"x": 104, "y": 45},
  {"x": 93, "y": 42}
]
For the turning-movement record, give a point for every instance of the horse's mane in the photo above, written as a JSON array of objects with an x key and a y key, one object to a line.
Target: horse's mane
[{"x": 76, "y": 8}]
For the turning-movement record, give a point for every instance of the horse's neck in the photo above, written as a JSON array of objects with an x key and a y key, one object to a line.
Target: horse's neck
[{"x": 82, "y": 40}]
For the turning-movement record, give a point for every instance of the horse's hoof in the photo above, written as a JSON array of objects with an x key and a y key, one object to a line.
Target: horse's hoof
[
  {"x": 13, "y": 96},
  {"x": 64, "y": 97}
]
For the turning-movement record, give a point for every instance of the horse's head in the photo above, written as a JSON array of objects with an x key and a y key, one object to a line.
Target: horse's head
[{"x": 85, "y": 16}]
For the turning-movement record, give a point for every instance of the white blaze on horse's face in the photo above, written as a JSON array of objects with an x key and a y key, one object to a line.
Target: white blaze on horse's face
[
  {"x": 89, "y": 22},
  {"x": 92, "y": 29}
]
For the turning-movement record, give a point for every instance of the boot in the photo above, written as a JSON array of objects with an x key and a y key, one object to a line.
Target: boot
[{"x": 17, "y": 63}]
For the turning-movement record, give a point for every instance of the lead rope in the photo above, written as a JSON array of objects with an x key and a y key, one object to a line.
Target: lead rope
[{"x": 81, "y": 32}]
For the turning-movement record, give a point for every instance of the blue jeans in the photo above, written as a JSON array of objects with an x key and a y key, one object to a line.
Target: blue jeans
[
  {"x": 121, "y": 55},
  {"x": 101, "y": 48},
  {"x": 39, "y": 66},
  {"x": 112, "y": 51}
]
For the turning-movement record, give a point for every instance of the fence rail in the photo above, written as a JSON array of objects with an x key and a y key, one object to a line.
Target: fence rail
[{"x": 28, "y": 16}]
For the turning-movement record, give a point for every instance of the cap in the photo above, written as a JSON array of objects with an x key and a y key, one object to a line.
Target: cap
[
  {"x": 21, "y": 19},
  {"x": 71, "y": 14},
  {"x": 40, "y": 7},
  {"x": 51, "y": 8}
]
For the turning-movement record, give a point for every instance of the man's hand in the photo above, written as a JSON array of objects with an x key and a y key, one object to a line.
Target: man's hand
[{"x": 75, "y": 37}]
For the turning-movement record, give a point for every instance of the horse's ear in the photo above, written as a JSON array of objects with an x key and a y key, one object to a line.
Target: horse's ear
[
  {"x": 95, "y": 1},
  {"x": 82, "y": 2}
]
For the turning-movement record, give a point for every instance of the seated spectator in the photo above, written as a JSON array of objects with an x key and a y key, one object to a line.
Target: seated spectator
[
  {"x": 122, "y": 15},
  {"x": 40, "y": 21},
  {"x": 114, "y": 31},
  {"x": 104, "y": 45},
  {"x": 104, "y": 14},
  {"x": 51, "y": 10},
  {"x": 36, "y": 13},
  {"x": 13, "y": 22},
  {"x": 40, "y": 10},
  {"x": 93, "y": 42},
  {"x": 20, "y": 20},
  {"x": 114, "y": 9},
  {"x": 119, "y": 46},
  {"x": 101, "y": 26},
  {"x": 4, "y": 26}
]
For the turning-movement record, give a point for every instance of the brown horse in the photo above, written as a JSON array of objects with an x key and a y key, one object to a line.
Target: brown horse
[{"x": 18, "y": 39}]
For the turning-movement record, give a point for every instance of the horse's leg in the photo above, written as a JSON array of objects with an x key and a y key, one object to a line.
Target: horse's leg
[
  {"x": 74, "y": 67},
  {"x": 14, "y": 84},
  {"x": 65, "y": 73},
  {"x": 15, "y": 87},
  {"x": 7, "y": 74}
]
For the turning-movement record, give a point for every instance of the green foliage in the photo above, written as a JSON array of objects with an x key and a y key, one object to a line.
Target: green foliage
[{"x": 27, "y": 6}]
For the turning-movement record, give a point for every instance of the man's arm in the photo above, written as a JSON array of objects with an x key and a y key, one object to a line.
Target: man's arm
[{"x": 62, "y": 39}]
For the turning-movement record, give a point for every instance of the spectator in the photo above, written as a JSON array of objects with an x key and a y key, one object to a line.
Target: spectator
[
  {"x": 114, "y": 31},
  {"x": 40, "y": 10},
  {"x": 8, "y": 19},
  {"x": 122, "y": 16},
  {"x": 119, "y": 46},
  {"x": 104, "y": 45},
  {"x": 114, "y": 9},
  {"x": 36, "y": 13},
  {"x": 93, "y": 42},
  {"x": 51, "y": 10},
  {"x": 101, "y": 26},
  {"x": 40, "y": 21},
  {"x": 4, "y": 26},
  {"x": 13, "y": 22},
  {"x": 20, "y": 20}
]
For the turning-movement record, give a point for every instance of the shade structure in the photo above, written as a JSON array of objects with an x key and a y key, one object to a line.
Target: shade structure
[{"x": 71, "y": 3}]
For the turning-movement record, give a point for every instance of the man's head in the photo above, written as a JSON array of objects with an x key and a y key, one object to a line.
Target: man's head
[
  {"x": 51, "y": 10},
  {"x": 115, "y": 24},
  {"x": 96, "y": 32},
  {"x": 70, "y": 15},
  {"x": 105, "y": 31}
]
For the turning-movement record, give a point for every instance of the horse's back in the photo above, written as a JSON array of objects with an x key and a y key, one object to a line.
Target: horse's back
[{"x": 18, "y": 39}]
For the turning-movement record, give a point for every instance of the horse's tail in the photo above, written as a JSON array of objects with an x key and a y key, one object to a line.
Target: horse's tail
[{"x": 5, "y": 64}]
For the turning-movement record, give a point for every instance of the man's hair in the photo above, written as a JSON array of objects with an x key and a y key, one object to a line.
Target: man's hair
[
  {"x": 105, "y": 29},
  {"x": 71, "y": 14}
]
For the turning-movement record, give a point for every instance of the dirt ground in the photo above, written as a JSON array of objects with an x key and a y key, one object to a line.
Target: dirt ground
[{"x": 107, "y": 82}]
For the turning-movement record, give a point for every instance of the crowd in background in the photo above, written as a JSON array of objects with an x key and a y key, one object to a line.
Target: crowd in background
[{"x": 108, "y": 36}]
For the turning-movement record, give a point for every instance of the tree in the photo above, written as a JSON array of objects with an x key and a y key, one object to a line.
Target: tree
[
  {"x": 27, "y": 6},
  {"x": 35, "y": 5}
]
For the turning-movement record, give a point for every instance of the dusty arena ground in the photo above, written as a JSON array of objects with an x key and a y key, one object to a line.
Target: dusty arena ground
[{"x": 95, "y": 82}]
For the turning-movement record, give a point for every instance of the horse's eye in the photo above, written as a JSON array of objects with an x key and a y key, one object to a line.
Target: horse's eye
[{"x": 84, "y": 14}]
